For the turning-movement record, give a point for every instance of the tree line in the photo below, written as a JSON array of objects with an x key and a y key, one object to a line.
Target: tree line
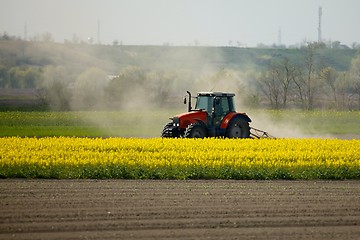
[
  {"x": 308, "y": 83},
  {"x": 282, "y": 81}
]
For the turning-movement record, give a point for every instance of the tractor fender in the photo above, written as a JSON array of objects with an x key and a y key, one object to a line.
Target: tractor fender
[
  {"x": 225, "y": 122},
  {"x": 201, "y": 122}
]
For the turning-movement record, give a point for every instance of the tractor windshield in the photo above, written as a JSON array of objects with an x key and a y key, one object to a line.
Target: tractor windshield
[{"x": 204, "y": 103}]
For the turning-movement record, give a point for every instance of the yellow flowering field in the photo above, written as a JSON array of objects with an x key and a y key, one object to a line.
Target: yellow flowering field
[{"x": 70, "y": 157}]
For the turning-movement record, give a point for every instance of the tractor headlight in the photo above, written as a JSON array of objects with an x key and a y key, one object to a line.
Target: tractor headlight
[{"x": 176, "y": 122}]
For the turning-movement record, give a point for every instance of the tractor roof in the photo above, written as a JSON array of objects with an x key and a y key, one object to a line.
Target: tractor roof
[{"x": 216, "y": 94}]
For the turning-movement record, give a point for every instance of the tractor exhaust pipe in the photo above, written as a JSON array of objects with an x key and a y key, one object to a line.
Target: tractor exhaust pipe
[{"x": 189, "y": 106}]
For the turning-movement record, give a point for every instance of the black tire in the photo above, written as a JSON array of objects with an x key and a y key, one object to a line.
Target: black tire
[
  {"x": 167, "y": 131},
  {"x": 238, "y": 128},
  {"x": 195, "y": 130}
]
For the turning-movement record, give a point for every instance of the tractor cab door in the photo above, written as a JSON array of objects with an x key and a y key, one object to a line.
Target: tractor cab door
[
  {"x": 204, "y": 103},
  {"x": 222, "y": 106}
]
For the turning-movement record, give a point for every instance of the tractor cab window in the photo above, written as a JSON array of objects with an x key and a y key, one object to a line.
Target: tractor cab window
[
  {"x": 204, "y": 103},
  {"x": 222, "y": 106},
  {"x": 225, "y": 105},
  {"x": 231, "y": 104}
]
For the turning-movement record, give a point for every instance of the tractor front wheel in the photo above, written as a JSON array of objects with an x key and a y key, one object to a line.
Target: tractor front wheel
[
  {"x": 169, "y": 131},
  {"x": 195, "y": 130},
  {"x": 238, "y": 128}
]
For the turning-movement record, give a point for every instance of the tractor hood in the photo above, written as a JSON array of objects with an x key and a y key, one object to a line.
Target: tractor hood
[{"x": 184, "y": 119}]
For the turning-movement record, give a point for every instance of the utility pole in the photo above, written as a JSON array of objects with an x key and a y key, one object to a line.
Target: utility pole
[
  {"x": 25, "y": 31},
  {"x": 279, "y": 37},
  {"x": 98, "y": 32},
  {"x": 319, "y": 28}
]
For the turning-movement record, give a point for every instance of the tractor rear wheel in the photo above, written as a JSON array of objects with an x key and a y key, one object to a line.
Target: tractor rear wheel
[
  {"x": 195, "y": 130},
  {"x": 238, "y": 128}
]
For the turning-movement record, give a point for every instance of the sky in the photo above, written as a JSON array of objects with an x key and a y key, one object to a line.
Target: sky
[{"x": 183, "y": 22}]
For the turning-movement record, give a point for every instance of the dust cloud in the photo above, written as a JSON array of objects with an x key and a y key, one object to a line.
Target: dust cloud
[
  {"x": 149, "y": 85},
  {"x": 278, "y": 129}
]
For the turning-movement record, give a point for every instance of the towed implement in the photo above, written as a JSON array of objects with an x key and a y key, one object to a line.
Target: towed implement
[{"x": 214, "y": 115}]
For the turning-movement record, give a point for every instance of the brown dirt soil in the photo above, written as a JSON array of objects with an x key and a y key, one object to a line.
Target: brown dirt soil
[{"x": 214, "y": 209}]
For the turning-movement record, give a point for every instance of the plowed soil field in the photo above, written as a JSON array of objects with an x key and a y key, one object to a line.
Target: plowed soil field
[{"x": 213, "y": 209}]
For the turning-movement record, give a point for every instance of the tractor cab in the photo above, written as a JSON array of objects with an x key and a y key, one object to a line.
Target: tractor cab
[
  {"x": 217, "y": 105},
  {"x": 214, "y": 115}
]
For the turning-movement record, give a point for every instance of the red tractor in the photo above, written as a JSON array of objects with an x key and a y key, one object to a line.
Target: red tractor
[{"x": 214, "y": 116}]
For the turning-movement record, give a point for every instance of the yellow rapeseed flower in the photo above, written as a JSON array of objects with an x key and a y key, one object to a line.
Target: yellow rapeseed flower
[{"x": 64, "y": 157}]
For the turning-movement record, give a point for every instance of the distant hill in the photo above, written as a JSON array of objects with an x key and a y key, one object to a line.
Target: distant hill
[{"x": 77, "y": 57}]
